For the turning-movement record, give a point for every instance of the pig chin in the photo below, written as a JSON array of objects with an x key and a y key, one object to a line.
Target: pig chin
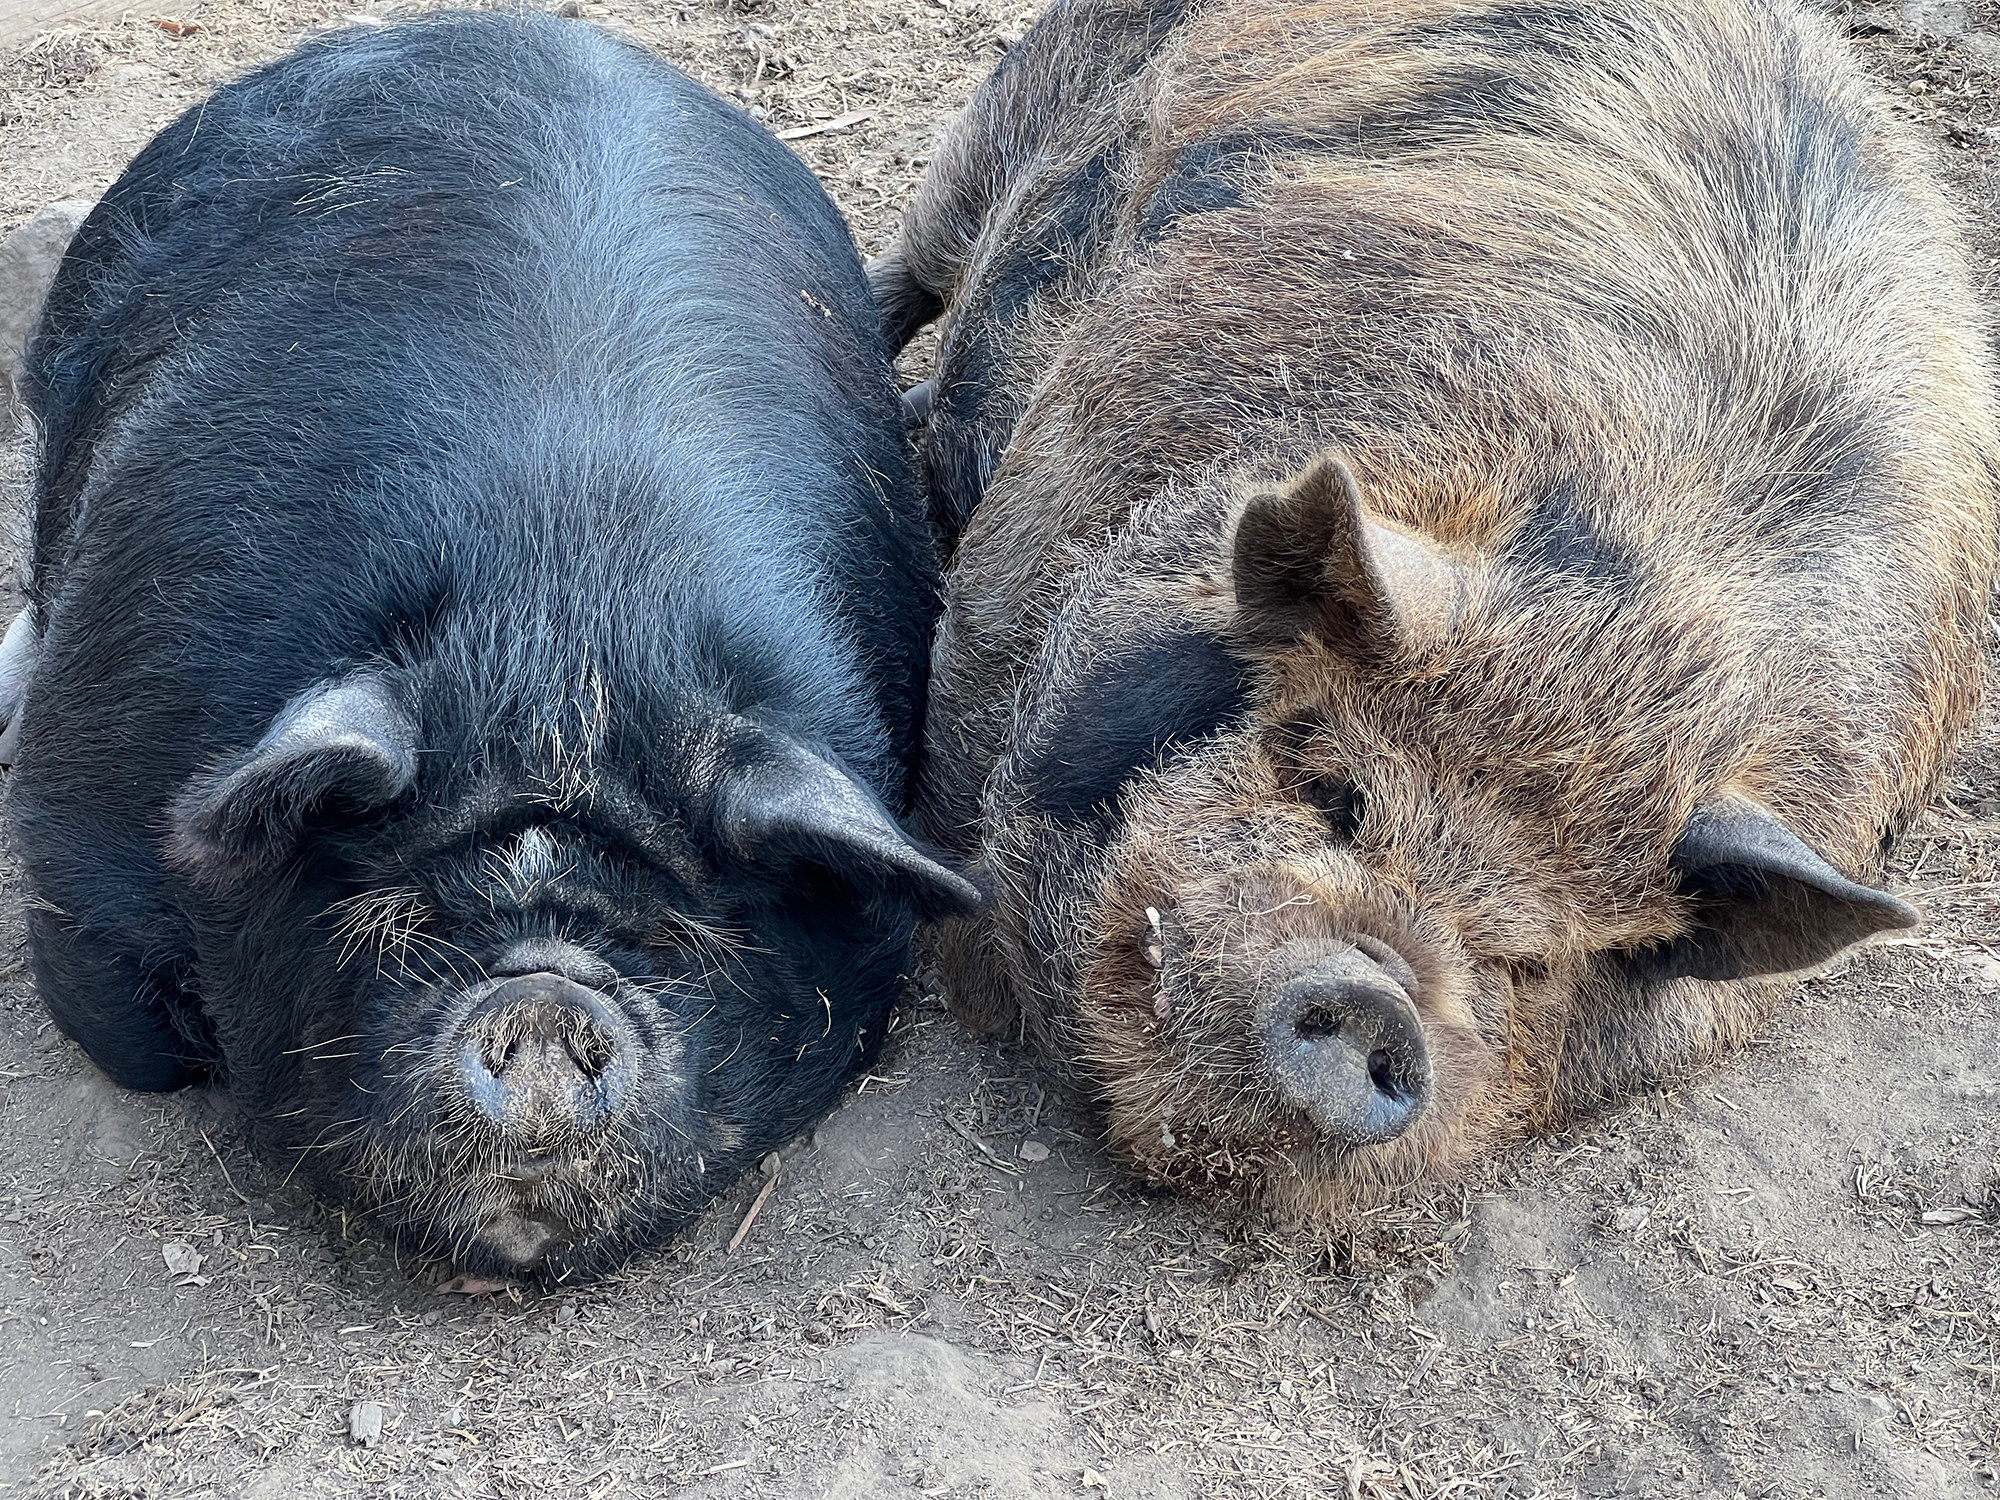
[
  {"x": 544, "y": 1127},
  {"x": 535, "y": 1214},
  {"x": 1313, "y": 1050}
]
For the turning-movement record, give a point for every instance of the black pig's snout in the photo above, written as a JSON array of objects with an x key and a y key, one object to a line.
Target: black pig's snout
[
  {"x": 545, "y": 1059},
  {"x": 1344, "y": 1043}
]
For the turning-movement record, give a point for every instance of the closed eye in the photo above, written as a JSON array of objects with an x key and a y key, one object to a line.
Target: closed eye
[{"x": 1343, "y": 804}]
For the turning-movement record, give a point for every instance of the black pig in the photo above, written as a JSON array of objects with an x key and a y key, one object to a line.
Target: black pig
[{"x": 483, "y": 611}]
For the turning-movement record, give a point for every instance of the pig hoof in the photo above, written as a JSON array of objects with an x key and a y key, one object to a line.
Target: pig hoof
[{"x": 1344, "y": 1044}]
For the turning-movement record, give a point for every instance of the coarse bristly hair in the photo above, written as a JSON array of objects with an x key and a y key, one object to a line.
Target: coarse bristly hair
[
  {"x": 495, "y": 374},
  {"x": 1644, "y": 338}
]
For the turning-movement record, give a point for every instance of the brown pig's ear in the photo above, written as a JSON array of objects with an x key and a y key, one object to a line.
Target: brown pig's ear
[
  {"x": 1309, "y": 559},
  {"x": 1763, "y": 902}
]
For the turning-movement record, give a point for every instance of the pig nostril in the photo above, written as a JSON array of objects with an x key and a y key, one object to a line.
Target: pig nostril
[
  {"x": 1387, "y": 1080},
  {"x": 590, "y": 1050},
  {"x": 1317, "y": 1023}
]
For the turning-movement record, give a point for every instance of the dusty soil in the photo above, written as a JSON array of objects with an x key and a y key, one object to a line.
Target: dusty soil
[{"x": 1780, "y": 1280}]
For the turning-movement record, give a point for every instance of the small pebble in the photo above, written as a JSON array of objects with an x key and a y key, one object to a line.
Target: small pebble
[
  {"x": 1628, "y": 1219},
  {"x": 1034, "y": 1151},
  {"x": 1874, "y": 1407}
]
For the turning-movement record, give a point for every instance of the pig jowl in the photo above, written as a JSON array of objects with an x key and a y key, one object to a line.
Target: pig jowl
[
  {"x": 1474, "y": 528},
  {"x": 478, "y": 636}
]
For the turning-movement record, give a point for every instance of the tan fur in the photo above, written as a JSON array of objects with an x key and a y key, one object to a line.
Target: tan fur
[{"x": 1761, "y": 384}]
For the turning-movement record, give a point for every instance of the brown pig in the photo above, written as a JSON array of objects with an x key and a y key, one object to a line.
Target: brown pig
[{"x": 1476, "y": 518}]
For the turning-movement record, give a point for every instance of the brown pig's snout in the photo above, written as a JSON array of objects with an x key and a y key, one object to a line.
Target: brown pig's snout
[
  {"x": 1343, "y": 1041},
  {"x": 543, "y": 1055}
]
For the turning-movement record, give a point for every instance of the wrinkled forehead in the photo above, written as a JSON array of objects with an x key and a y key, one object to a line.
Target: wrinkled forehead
[
  {"x": 523, "y": 839},
  {"x": 1575, "y": 704},
  {"x": 1523, "y": 832}
]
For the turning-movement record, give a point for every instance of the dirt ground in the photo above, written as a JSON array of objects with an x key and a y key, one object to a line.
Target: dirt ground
[{"x": 1780, "y": 1280}]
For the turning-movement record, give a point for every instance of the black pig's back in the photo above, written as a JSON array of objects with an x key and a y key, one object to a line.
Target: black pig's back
[{"x": 491, "y": 344}]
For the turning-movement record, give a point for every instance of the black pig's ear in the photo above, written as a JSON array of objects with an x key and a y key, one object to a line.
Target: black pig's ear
[
  {"x": 781, "y": 802},
  {"x": 344, "y": 748},
  {"x": 1309, "y": 558},
  {"x": 1764, "y": 903}
]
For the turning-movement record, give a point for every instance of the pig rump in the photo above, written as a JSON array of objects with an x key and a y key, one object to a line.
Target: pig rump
[
  {"x": 1476, "y": 524},
  {"x": 478, "y": 636}
]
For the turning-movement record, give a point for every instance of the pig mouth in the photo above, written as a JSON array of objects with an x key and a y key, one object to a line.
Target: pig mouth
[
  {"x": 522, "y": 1239},
  {"x": 524, "y": 1131},
  {"x": 515, "y": 1210},
  {"x": 1334, "y": 1036},
  {"x": 537, "y": 1209}
]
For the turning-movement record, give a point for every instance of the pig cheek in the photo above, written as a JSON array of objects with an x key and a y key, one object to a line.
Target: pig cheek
[
  {"x": 1463, "y": 1036},
  {"x": 368, "y": 1084},
  {"x": 313, "y": 1085},
  {"x": 1140, "y": 1028},
  {"x": 1123, "y": 1001}
]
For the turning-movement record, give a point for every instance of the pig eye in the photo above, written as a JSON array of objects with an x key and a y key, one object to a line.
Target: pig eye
[{"x": 1340, "y": 802}]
